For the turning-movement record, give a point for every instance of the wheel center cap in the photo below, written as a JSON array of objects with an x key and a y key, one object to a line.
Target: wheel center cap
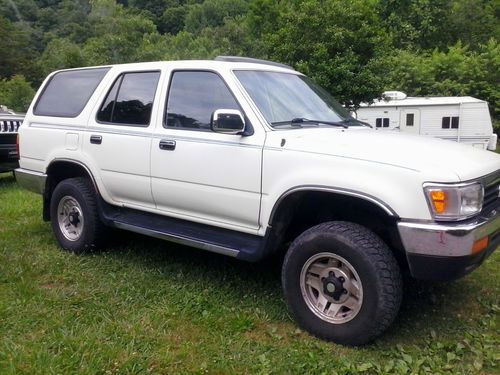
[
  {"x": 73, "y": 218},
  {"x": 333, "y": 287}
]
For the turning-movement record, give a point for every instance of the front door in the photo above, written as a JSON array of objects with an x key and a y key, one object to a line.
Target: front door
[
  {"x": 198, "y": 174},
  {"x": 410, "y": 121}
]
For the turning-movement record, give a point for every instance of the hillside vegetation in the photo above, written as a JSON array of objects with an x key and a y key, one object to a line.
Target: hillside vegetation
[{"x": 356, "y": 49}]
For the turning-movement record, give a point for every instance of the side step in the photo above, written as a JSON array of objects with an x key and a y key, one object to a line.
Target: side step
[{"x": 218, "y": 240}]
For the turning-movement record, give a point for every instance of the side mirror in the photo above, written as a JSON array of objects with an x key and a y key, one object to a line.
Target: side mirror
[{"x": 227, "y": 121}]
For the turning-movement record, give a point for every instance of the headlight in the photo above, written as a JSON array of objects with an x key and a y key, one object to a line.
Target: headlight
[{"x": 454, "y": 202}]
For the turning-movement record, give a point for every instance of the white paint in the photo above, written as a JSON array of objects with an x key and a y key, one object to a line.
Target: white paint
[
  {"x": 233, "y": 181},
  {"x": 474, "y": 118}
]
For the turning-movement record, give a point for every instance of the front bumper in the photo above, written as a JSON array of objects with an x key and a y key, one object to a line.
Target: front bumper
[{"x": 445, "y": 251}]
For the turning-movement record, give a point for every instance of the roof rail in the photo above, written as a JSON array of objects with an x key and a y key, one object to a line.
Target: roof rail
[{"x": 251, "y": 60}]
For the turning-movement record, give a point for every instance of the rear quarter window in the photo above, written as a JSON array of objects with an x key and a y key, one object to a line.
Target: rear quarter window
[{"x": 67, "y": 92}]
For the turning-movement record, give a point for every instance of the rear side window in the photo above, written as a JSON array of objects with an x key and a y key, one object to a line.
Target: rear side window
[
  {"x": 130, "y": 100},
  {"x": 67, "y": 93}
]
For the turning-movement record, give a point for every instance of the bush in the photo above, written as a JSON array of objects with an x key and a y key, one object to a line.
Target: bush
[{"x": 16, "y": 93}]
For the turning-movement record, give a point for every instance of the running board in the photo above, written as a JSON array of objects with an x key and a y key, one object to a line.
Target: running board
[{"x": 205, "y": 237}]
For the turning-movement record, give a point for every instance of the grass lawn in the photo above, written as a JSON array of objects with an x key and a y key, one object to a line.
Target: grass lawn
[{"x": 149, "y": 306}]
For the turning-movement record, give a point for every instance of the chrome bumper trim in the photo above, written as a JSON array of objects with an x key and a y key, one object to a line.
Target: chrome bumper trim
[
  {"x": 31, "y": 180},
  {"x": 455, "y": 239}
]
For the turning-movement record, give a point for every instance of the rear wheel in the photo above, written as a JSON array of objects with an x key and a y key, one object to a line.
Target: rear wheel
[
  {"x": 74, "y": 215},
  {"x": 342, "y": 283}
]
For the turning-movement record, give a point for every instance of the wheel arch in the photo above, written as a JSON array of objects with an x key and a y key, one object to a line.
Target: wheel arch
[
  {"x": 303, "y": 207},
  {"x": 61, "y": 169}
]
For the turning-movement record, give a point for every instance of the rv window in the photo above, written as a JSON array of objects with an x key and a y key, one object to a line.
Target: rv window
[
  {"x": 454, "y": 122},
  {"x": 410, "y": 119},
  {"x": 382, "y": 122},
  {"x": 445, "y": 124}
]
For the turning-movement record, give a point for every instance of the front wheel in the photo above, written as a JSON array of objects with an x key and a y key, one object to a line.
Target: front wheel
[
  {"x": 342, "y": 283},
  {"x": 74, "y": 215}
]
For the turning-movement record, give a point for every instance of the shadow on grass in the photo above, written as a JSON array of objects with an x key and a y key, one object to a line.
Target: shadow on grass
[
  {"x": 7, "y": 179},
  {"x": 425, "y": 306}
]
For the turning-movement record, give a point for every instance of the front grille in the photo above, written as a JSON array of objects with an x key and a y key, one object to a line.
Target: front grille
[
  {"x": 491, "y": 189},
  {"x": 9, "y": 126}
]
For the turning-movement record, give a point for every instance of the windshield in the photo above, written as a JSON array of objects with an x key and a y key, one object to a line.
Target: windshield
[{"x": 291, "y": 99}]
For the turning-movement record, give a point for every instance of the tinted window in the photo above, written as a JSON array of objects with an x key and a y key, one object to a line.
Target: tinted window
[
  {"x": 410, "y": 118},
  {"x": 67, "y": 93},
  {"x": 386, "y": 122},
  {"x": 193, "y": 97},
  {"x": 454, "y": 122},
  {"x": 445, "y": 123},
  {"x": 378, "y": 123},
  {"x": 130, "y": 100}
]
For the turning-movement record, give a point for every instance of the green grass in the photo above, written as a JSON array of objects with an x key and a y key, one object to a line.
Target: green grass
[{"x": 148, "y": 306}]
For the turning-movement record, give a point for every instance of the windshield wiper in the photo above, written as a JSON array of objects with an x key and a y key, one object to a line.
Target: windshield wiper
[
  {"x": 300, "y": 120},
  {"x": 355, "y": 122}
]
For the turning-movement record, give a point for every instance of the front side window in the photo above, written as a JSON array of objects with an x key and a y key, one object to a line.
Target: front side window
[
  {"x": 67, "y": 92},
  {"x": 193, "y": 97},
  {"x": 130, "y": 100},
  {"x": 291, "y": 99}
]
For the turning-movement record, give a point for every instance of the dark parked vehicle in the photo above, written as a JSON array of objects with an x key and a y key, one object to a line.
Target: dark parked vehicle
[{"x": 9, "y": 124}]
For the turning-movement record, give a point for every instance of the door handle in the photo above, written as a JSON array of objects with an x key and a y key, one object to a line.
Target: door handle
[
  {"x": 96, "y": 139},
  {"x": 167, "y": 144}
]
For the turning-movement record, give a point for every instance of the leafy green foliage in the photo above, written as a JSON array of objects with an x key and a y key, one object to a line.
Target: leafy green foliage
[
  {"x": 334, "y": 42},
  {"x": 355, "y": 49},
  {"x": 16, "y": 93},
  {"x": 457, "y": 71}
]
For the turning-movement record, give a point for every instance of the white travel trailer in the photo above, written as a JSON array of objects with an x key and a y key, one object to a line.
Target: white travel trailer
[{"x": 459, "y": 118}]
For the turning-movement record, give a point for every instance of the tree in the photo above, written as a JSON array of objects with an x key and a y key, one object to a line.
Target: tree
[
  {"x": 60, "y": 54},
  {"x": 172, "y": 20},
  {"x": 16, "y": 93},
  {"x": 16, "y": 54},
  {"x": 457, "y": 71},
  {"x": 120, "y": 36},
  {"x": 338, "y": 44},
  {"x": 211, "y": 13}
]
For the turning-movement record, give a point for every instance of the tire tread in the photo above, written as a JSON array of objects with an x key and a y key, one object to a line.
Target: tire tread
[{"x": 378, "y": 252}]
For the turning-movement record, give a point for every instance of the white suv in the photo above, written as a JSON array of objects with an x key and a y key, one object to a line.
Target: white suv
[{"x": 247, "y": 158}]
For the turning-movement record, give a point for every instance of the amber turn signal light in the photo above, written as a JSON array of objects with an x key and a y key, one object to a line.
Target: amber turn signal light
[
  {"x": 480, "y": 245},
  {"x": 439, "y": 200}
]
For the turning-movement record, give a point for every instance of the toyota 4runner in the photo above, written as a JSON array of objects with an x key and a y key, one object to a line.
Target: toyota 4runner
[{"x": 247, "y": 158}]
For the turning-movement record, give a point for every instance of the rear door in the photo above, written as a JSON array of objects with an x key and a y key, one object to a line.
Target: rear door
[
  {"x": 118, "y": 139},
  {"x": 410, "y": 121}
]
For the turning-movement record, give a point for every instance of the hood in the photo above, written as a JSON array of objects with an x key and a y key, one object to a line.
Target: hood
[{"x": 419, "y": 153}]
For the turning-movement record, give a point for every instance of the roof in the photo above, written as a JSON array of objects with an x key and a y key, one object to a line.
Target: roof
[
  {"x": 199, "y": 64},
  {"x": 423, "y": 101}
]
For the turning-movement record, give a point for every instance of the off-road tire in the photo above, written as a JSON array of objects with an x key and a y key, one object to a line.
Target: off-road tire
[
  {"x": 371, "y": 259},
  {"x": 82, "y": 191}
]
